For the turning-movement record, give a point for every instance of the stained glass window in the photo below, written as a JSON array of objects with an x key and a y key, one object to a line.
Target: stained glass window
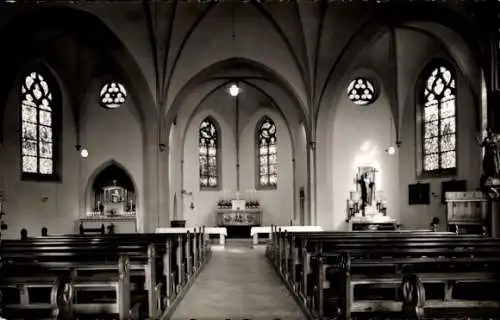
[
  {"x": 361, "y": 91},
  {"x": 209, "y": 153},
  {"x": 267, "y": 153},
  {"x": 112, "y": 95},
  {"x": 37, "y": 139},
  {"x": 439, "y": 121}
]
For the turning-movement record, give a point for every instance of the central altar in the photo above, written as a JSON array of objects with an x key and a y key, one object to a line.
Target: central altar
[
  {"x": 238, "y": 216},
  {"x": 247, "y": 217},
  {"x": 239, "y": 213}
]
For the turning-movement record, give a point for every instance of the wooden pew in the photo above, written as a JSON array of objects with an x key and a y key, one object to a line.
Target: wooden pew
[
  {"x": 331, "y": 265},
  {"x": 255, "y": 231},
  {"x": 67, "y": 264}
]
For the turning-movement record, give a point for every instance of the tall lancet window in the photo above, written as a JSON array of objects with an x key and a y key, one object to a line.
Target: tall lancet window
[
  {"x": 38, "y": 137},
  {"x": 209, "y": 154},
  {"x": 439, "y": 120},
  {"x": 267, "y": 153}
]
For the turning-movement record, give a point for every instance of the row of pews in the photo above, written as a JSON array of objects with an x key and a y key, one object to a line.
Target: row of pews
[
  {"x": 395, "y": 274},
  {"x": 118, "y": 276}
]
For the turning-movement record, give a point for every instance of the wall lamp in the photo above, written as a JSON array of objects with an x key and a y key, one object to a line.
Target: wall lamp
[{"x": 83, "y": 151}]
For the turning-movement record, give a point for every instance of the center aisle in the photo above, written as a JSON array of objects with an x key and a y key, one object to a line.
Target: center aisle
[{"x": 238, "y": 283}]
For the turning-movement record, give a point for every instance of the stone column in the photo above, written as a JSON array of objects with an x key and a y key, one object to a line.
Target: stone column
[
  {"x": 311, "y": 160},
  {"x": 164, "y": 187},
  {"x": 150, "y": 206}
]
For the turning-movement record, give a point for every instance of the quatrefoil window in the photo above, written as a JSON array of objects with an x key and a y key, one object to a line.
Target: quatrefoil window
[
  {"x": 112, "y": 95},
  {"x": 361, "y": 92}
]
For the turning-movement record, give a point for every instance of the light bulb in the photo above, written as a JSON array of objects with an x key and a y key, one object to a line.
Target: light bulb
[
  {"x": 84, "y": 153},
  {"x": 391, "y": 150},
  {"x": 234, "y": 90}
]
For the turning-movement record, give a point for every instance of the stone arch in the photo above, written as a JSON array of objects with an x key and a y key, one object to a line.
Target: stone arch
[
  {"x": 97, "y": 171},
  {"x": 253, "y": 86},
  {"x": 228, "y": 65}
]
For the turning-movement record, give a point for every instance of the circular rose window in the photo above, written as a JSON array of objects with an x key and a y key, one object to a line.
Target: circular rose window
[
  {"x": 112, "y": 95},
  {"x": 361, "y": 92}
]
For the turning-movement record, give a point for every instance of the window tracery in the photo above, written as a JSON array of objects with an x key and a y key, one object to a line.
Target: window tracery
[
  {"x": 267, "y": 153},
  {"x": 209, "y": 153},
  {"x": 439, "y": 120}
]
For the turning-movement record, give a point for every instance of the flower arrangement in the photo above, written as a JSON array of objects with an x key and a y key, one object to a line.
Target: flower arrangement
[
  {"x": 224, "y": 204},
  {"x": 252, "y": 204}
]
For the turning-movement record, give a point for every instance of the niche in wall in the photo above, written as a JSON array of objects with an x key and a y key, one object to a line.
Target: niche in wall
[{"x": 113, "y": 193}]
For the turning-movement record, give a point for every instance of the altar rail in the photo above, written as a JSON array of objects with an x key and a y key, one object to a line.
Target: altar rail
[
  {"x": 404, "y": 275},
  {"x": 128, "y": 276}
]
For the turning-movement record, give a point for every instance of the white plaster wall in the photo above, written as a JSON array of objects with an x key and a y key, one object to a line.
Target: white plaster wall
[
  {"x": 360, "y": 136},
  {"x": 205, "y": 201},
  {"x": 277, "y": 204},
  {"x": 338, "y": 144},
  {"x": 25, "y": 207},
  {"x": 112, "y": 134},
  {"x": 468, "y": 161}
]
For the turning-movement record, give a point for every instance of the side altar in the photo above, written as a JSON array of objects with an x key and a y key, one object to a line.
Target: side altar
[
  {"x": 114, "y": 210},
  {"x": 366, "y": 207}
]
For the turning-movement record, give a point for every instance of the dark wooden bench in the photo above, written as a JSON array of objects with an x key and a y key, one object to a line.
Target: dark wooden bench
[
  {"x": 344, "y": 274},
  {"x": 155, "y": 266}
]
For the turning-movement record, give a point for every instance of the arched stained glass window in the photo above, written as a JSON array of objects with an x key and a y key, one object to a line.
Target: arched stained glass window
[
  {"x": 209, "y": 153},
  {"x": 439, "y": 119},
  {"x": 38, "y": 143},
  {"x": 267, "y": 153}
]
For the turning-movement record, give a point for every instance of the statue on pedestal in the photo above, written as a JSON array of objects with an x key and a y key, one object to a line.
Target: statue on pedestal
[{"x": 491, "y": 159}]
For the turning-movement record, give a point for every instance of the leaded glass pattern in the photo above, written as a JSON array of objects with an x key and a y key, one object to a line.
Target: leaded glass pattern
[
  {"x": 209, "y": 153},
  {"x": 267, "y": 153},
  {"x": 112, "y": 95},
  {"x": 361, "y": 91},
  {"x": 439, "y": 120},
  {"x": 37, "y": 141}
]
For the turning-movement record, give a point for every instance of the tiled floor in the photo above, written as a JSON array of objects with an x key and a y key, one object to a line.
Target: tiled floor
[{"x": 238, "y": 283}]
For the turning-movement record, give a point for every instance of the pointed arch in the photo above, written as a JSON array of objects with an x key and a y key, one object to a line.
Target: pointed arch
[
  {"x": 40, "y": 107},
  {"x": 209, "y": 154},
  {"x": 89, "y": 201},
  {"x": 266, "y": 153},
  {"x": 437, "y": 107}
]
